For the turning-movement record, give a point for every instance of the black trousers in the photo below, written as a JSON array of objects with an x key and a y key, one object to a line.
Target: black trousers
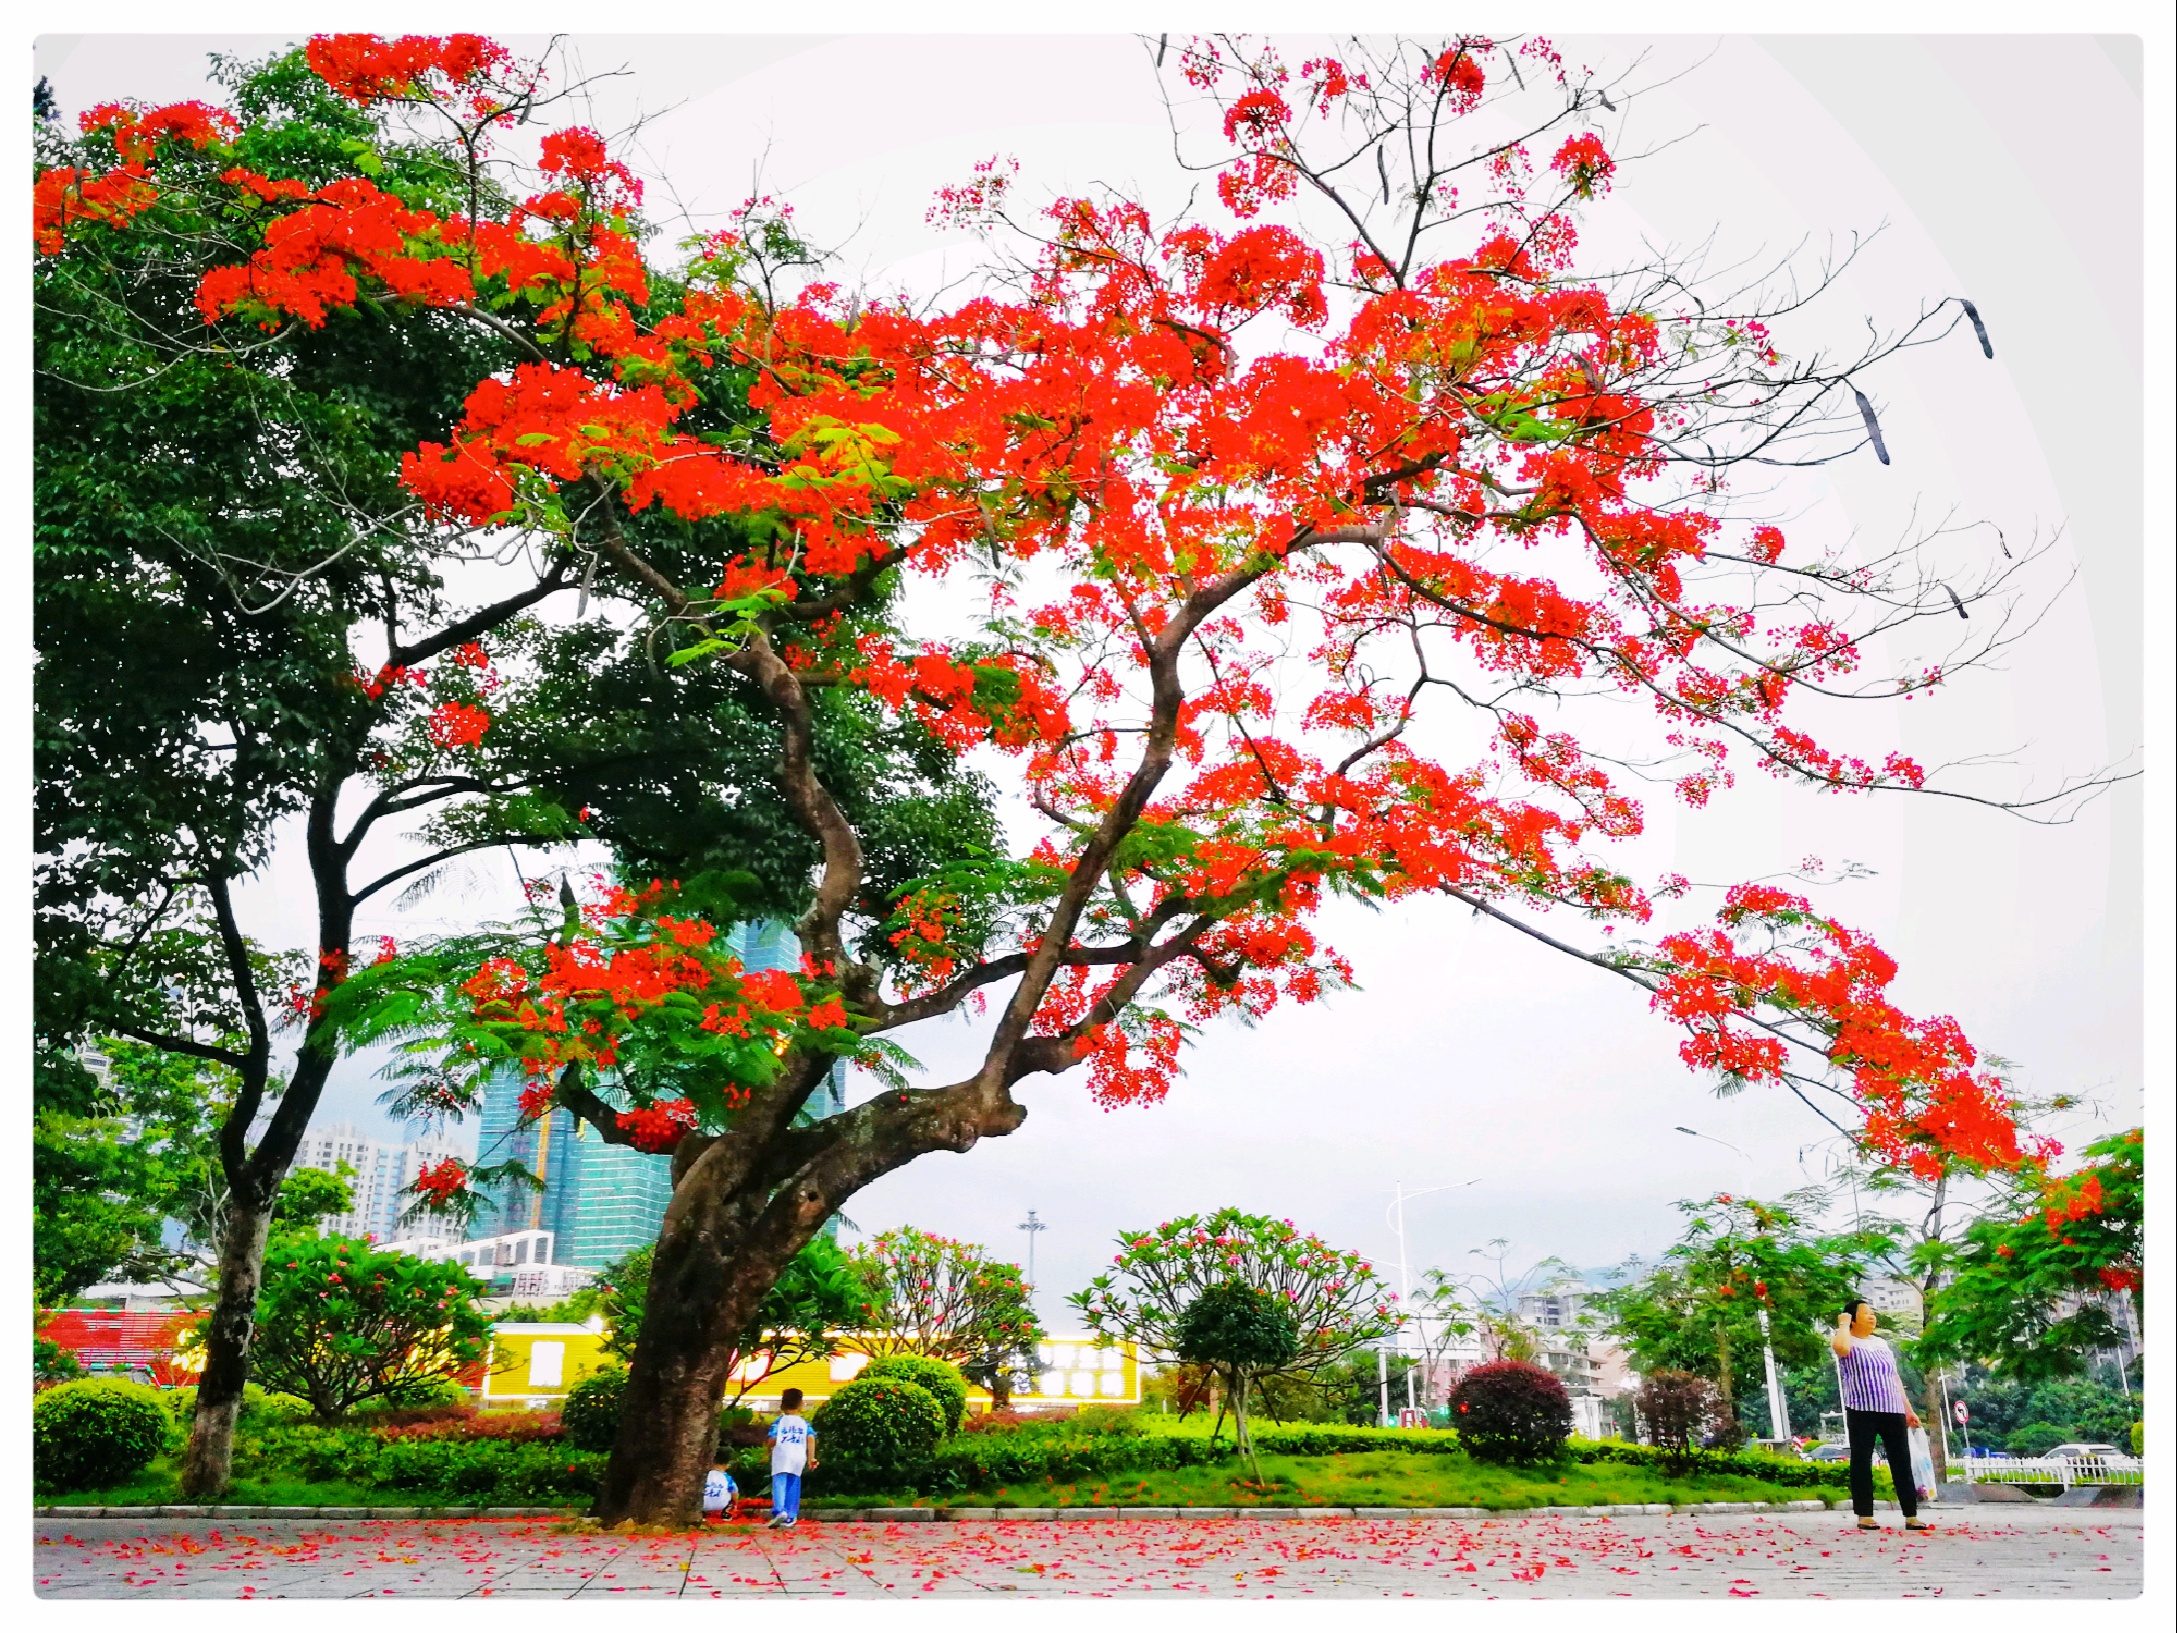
[{"x": 1861, "y": 1430}]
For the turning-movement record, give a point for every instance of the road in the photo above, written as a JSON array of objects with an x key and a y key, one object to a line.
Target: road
[{"x": 1974, "y": 1553}]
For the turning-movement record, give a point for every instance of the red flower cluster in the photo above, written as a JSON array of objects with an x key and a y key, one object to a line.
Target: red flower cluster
[
  {"x": 65, "y": 197},
  {"x": 438, "y": 1183},
  {"x": 458, "y": 725},
  {"x": 370, "y": 68},
  {"x": 1585, "y": 164},
  {"x": 659, "y": 1127},
  {"x": 1915, "y": 1079}
]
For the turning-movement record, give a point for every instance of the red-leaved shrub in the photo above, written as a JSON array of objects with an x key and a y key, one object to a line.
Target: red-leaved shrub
[
  {"x": 1511, "y": 1412},
  {"x": 470, "y": 1424}
]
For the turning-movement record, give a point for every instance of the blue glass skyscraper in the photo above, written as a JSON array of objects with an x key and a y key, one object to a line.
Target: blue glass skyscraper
[{"x": 602, "y": 1200}]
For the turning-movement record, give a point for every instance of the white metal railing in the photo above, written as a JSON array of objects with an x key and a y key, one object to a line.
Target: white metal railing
[{"x": 2055, "y": 1471}]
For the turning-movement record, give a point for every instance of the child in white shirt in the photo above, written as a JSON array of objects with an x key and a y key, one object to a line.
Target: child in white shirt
[
  {"x": 793, "y": 1449},
  {"x": 719, "y": 1492}
]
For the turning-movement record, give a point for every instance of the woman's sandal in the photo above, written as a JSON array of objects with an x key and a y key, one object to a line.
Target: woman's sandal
[
  {"x": 1870, "y": 1523},
  {"x": 1918, "y": 1525}
]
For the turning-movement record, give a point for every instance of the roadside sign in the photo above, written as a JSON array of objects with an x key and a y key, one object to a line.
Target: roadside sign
[{"x": 1957, "y": 1410}]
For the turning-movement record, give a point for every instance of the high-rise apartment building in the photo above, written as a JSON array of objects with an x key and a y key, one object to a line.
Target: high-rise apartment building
[{"x": 381, "y": 1171}]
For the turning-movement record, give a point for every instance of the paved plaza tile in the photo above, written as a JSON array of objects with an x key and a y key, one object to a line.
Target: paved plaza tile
[{"x": 2033, "y": 1554}]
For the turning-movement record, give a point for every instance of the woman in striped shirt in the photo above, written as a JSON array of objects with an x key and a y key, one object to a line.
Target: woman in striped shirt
[{"x": 1874, "y": 1406}]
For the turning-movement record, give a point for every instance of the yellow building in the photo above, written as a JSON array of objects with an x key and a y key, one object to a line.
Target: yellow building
[{"x": 534, "y": 1364}]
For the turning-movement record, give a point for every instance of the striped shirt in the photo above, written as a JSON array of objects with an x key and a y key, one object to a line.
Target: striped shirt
[{"x": 1868, "y": 1380}]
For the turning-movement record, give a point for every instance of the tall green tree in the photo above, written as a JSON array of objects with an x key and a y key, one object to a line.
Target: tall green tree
[
  {"x": 1700, "y": 1308},
  {"x": 2029, "y": 1290},
  {"x": 234, "y": 602}
]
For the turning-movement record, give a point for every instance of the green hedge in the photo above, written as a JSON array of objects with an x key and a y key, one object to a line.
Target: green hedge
[
  {"x": 495, "y": 1472},
  {"x": 981, "y": 1462},
  {"x": 448, "y": 1468}
]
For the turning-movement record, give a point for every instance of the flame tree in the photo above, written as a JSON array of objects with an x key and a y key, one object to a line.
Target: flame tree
[{"x": 1267, "y": 547}]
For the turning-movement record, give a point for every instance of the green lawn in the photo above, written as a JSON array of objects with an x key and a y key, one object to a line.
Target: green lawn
[{"x": 1379, "y": 1479}]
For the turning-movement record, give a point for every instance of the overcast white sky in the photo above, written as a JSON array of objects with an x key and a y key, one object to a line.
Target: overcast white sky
[{"x": 2009, "y": 171}]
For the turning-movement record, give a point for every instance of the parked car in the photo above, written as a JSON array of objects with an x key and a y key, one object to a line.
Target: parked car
[
  {"x": 1829, "y": 1451},
  {"x": 2082, "y": 1448},
  {"x": 1991, "y": 1452}
]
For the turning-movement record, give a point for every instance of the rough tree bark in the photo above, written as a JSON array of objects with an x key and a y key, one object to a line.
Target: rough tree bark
[
  {"x": 1931, "y": 1410},
  {"x": 227, "y": 1332}
]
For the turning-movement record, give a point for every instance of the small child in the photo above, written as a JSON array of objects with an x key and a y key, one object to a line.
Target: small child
[
  {"x": 793, "y": 1448},
  {"x": 719, "y": 1492}
]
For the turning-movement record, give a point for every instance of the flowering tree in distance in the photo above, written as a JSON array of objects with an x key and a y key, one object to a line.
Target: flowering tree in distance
[
  {"x": 1419, "y": 447},
  {"x": 1161, "y": 1278},
  {"x": 343, "y": 1324},
  {"x": 930, "y": 1295}
]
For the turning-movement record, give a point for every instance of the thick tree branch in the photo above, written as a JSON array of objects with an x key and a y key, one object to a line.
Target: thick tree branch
[
  {"x": 484, "y": 620},
  {"x": 256, "y": 1061}
]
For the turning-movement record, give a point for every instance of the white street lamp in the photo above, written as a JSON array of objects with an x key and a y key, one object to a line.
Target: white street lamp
[
  {"x": 1033, "y": 1226},
  {"x": 1395, "y": 1216}
]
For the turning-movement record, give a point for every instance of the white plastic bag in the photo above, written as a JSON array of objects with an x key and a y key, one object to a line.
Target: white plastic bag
[{"x": 1923, "y": 1462}]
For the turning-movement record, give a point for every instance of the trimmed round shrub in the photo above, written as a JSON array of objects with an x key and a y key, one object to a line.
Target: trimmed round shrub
[
  {"x": 1512, "y": 1412},
  {"x": 426, "y": 1394},
  {"x": 2139, "y": 1439},
  {"x": 1234, "y": 1325},
  {"x": 879, "y": 1430},
  {"x": 95, "y": 1432},
  {"x": 590, "y": 1415},
  {"x": 944, "y": 1383}
]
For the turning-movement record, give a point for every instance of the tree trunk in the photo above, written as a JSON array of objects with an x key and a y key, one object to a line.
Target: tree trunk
[
  {"x": 1727, "y": 1387},
  {"x": 1242, "y": 1441},
  {"x": 1932, "y": 1379},
  {"x": 1931, "y": 1413},
  {"x": 209, "y": 1462},
  {"x": 701, "y": 1287},
  {"x": 744, "y": 1203}
]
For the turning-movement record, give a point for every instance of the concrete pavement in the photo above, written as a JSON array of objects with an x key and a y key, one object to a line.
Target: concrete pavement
[{"x": 2038, "y": 1554}]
